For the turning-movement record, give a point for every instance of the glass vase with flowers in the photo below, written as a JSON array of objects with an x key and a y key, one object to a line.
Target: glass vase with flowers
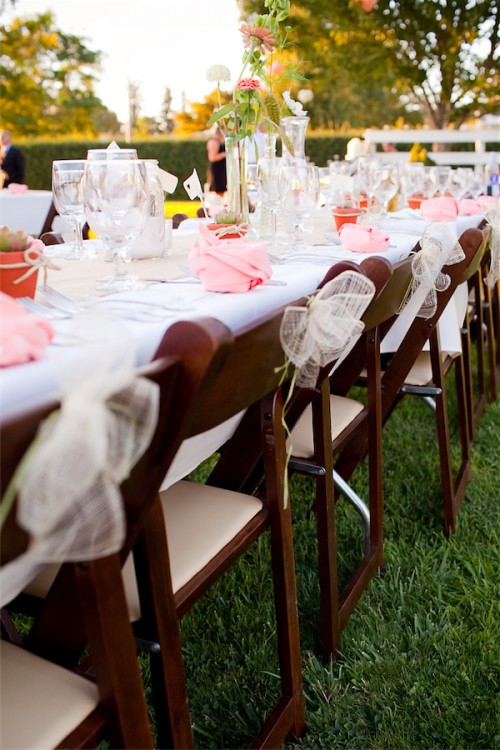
[{"x": 263, "y": 38}]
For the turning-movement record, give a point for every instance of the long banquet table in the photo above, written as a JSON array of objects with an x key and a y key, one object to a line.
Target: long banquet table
[
  {"x": 27, "y": 211},
  {"x": 30, "y": 384}
]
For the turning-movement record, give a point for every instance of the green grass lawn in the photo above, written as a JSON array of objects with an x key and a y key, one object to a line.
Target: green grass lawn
[{"x": 420, "y": 656}]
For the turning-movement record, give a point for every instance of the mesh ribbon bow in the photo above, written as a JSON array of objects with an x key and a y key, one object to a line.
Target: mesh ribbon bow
[
  {"x": 68, "y": 484},
  {"x": 492, "y": 216},
  {"x": 315, "y": 335},
  {"x": 428, "y": 278}
]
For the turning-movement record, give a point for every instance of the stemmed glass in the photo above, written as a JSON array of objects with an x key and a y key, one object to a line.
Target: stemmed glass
[
  {"x": 299, "y": 186},
  {"x": 269, "y": 191},
  {"x": 101, "y": 154},
  {"x": 117, "y": 207},
  {"x": 366, "y": 168},
  {"x": 385, "y": 184},
  {"x": 68, "y": 192},
  {"x": 440, "y": 178}
]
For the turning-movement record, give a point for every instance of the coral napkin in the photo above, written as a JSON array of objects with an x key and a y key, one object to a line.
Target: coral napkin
[
  {"x": 488, "y": 201},
  {"x": 443, "y": 208},
  {"x": 228, "y": 265},
  {"x": 469, "y": 207},
  {"x": 16, "y": 188},
  {"x": 22, "y": 336},
  {"x": 363, "y": 239}
]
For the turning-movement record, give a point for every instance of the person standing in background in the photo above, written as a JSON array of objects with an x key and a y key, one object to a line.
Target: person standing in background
[
  {"x": 216, "y": 151},
  {"x": 11, "y": 160}
]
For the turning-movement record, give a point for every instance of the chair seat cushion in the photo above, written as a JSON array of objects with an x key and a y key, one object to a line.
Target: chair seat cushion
[
  {"x": 41, "y": 702},
  {"x": 421, "y": 372},
  {"x": 342, "y": 412},
  {"x": 200, "y": 521}
]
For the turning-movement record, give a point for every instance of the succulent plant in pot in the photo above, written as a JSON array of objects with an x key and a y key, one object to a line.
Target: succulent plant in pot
[
  {"x": 19, "y": 262},
  {"x": 228, "y": 224}
]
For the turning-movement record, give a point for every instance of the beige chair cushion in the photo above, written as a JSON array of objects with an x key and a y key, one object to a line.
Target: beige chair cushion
[
  {"x": 200, "y": 521},
  {"x": 421, "y": 372},
  {"x": 342, "y": 411},
  {"x": 41, "y": 702}
]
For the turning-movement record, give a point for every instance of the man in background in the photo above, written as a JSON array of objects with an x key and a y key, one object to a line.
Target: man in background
[{"x": 11, "y": 160}]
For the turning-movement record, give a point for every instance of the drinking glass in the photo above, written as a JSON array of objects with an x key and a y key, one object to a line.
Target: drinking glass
[
  {"x": 100, "y": 154},
  {"x": 440, "y": 177},
  {"x": 457, "y": 183},
  {"x": 299, "y": 186},
  {"x": 268, "y": 189},
  {"x": 117, "y": 207},
  {"x": 385, "y": 184},
  {"x": 68, "y": 192},
  {"x": 366, "y": 168}
]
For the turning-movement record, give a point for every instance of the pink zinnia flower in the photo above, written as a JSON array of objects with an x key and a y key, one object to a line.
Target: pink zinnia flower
[
  {"x": 248, "y": 83},
  {"x": 264, "y": 38}
]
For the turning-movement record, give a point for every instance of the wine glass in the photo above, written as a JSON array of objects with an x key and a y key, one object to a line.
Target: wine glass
[
  {"x": 268, "y": 188},
  {"x": 440, "y": 176},
  {"x": 67, "y": 189},
  {"x": 101, "y": 154},
  {"x": 365, "y": 169},
  {"x": 299, "y": 185},
  {"x": 117, "y": 207},
  {"x": 385, "y": 182}
]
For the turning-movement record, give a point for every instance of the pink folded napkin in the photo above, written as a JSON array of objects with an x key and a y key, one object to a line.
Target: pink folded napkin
[
  {"x": 228, "y": 265},
  {"x": 363, "y": 239},
  {"x": 22, "y": 336},
  {"x": 443, "y": 208},
  {"x": 16, "y": 188},
  {"x": 488, "y": 201},
  {"x": 469, "y": 207}
]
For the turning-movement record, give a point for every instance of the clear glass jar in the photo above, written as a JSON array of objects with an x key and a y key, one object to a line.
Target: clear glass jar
[{"x": 152, "y": 241}]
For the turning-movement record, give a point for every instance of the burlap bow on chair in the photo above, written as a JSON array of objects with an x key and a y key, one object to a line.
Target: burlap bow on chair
[
  {"x": 315, "y": 335},
  {"x": 492, "y": 216},
  {"x": 68, "y": 484},
  {"x": 428, "y": 277}
]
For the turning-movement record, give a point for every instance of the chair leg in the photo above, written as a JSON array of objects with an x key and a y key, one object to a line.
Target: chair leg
[
  {"x": 160, "y": 621},
  {"x": 469, "y": 386},
  {"x": 491, "y": 312},
  {"x": 453, "y": 491},
  {"x": 289, "y": 716}
]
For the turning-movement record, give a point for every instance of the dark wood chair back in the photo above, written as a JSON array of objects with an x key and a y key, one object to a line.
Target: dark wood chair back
[{"x": 87, "y": 604}]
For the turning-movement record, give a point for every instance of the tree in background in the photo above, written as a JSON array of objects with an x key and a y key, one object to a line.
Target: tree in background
[
  {"x": 166, "y": 113},
  {"x": 47, "y": 81},
  {"x": 195, "y": 115},
  {"x": 370, "y": 62}
]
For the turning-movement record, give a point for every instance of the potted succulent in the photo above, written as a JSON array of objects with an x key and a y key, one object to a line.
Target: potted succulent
[
  {"x": 19, "y": 254},
  {"x": 226, "y": 220}
]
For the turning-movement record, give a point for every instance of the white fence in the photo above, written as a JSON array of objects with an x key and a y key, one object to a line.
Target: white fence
[{"x": 454, "y": 158}]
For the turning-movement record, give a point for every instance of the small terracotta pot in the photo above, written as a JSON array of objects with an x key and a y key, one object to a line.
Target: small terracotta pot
[
  {"x": 414, "y": 201},
  {"x": 25, "y": 288},
  {"x": 345, "y": 216},
  {"x": 235, "y": 236}
]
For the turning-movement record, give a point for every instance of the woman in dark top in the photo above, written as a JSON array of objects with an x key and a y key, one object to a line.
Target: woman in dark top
[{"x": 216, "y": 151}]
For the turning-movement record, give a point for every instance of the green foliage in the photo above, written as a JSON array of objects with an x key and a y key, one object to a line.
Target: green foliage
[
  {"x": 419, "y": 664},
  {"x": 47, "y": 81},
  {"x": 178, "y": 156},
  {"x": 426, "y": 59}
]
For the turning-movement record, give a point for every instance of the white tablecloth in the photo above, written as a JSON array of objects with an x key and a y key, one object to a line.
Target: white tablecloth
[{"x": 26, "y": 211}]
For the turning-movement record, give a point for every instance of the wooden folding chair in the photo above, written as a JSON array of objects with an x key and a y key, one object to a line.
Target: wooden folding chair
[
  {"x": 199, "y": 531},
  {"x": 331, "y": 421},
  {"x": 430, "y": 369},
  {"x": 44, "y": 704},
  {"x": 478, "y": 324}
]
